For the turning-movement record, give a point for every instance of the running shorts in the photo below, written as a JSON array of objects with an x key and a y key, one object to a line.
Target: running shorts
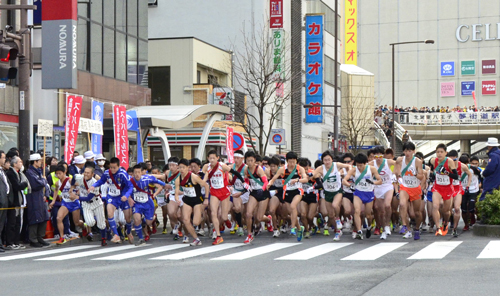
[
  {"x": 366, "y": 197},
  {"x": 413, "y": 193},
  {"x": 192, "y": 201},
  {"x": 71, "y": 206},
  {"x": 290, "y": 194},
  {"x": 329, "y": 196}
]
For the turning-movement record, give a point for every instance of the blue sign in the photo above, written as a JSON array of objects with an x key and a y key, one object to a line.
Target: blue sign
[
  {"x": 37, "y": 14},
  {"x": 314, "y": 68},
  {"x": 97, "y": 114},
  {"x": 133, "y": 125},
  {"x": 447, "y": 68},
  {"x": 468, "y": 87},
  {"x": 238, "y": 141}
]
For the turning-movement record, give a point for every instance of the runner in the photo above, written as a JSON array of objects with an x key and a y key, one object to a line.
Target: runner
[
  {"x": 276, "y": 192},
  {"x": 328, "y": 178},
  {"x": 239, "y": 193},
  {"x": 442, "y": 191},
  {"x": 348, "y": 196},
  {"x": 463, "y": 172},
  {"x": 216, "y": 175},
  {"x": 292, "y": 191},
  {"x": 309, "y": 203},
  {"x": 119, "y": 190},
  {"x": 69, "y": 204},
  {"x": 409, "y": 172},
  {"x": 195, "y": 167},
  {"x": 259, "y": 197},
  {"x": 91, "y": 202},
  {"x": 141, "y": 200},
  {"x": 190, "y": 184},
  {"x": 363, "y": 190},
  {"x": 383, "y": 193},
  {"x": 470, "y": 196}
]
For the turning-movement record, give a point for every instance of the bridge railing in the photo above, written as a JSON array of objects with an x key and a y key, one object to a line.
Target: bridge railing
[
  {"x": 399, "y": 131},
  {"x": 380, "y": 136},
  {"x": 453, "y": 118}
]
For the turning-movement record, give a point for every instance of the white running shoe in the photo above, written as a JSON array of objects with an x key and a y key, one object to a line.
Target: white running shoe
[
  {"x": 387, "y": 230},
  {"x": 276, "y": 233},
  {"x": 73, "y": 234},
  {"x": 338, "y": 234},
  {"x": 214, "y": 234},
  {"x": 196, "y": 242},
  {"x": 232, "y": 226},
  {"x": 383, "y": 235},
  {"x": 353, "y": 235},
  {"x": 339, "y": 224},
  {"x": 408, "y": 234},
  {"x": 347, "y": 225},
  {"x": 185, "y": 240},
  {"x": 201, "y": 231},
  {"x": 175, "y": 231}
]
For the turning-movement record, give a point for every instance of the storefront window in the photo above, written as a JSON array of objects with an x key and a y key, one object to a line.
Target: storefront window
[{"x": 8, "y": 137}]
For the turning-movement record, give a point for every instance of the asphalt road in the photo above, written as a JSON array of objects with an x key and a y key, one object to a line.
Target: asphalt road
[{"x": 350, "y": 267}]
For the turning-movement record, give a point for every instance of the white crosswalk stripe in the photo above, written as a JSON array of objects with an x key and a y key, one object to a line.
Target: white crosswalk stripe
[
  {"x": 492, "y": 251},
  {"x": 198, "y": 252},
  {"x": 256, "y": 251},
  {"x": 44, "y": 253},
  {"x": 142, "y": 252},
  {"x": 437, "y": 250},
  {"x": 375, "y": 252},
  {"x": 87, "y": 253},
  {"x": 314, "y": 251}
]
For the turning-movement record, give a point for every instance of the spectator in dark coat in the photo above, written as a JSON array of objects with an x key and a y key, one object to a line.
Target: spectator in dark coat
[
  {"x": 38, "y": 214},
  {"x": 491, "y": 173},
  {"x": 20, "y": 188}
]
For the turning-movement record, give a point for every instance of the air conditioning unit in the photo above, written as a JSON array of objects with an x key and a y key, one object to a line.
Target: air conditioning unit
[{"x": 152, "y": 2}]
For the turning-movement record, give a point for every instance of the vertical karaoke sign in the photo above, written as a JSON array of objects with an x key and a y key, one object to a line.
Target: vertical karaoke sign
[{"x": 314, "y": 68}]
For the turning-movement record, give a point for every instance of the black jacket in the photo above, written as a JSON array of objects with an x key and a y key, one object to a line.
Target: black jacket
[{"x": 17, "y": 187}]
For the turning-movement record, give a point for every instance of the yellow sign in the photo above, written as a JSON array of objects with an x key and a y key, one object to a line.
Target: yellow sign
[{"x": 351, "y": 32}]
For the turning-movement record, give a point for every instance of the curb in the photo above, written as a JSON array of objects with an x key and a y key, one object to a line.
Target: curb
[{"x": 486, "y": 230}]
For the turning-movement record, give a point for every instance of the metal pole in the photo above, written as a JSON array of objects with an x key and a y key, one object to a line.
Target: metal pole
[
  {"x": 24, "y": 88},
  {"x": 335, "y": 115},
  {"x": 393, "y": 144}
]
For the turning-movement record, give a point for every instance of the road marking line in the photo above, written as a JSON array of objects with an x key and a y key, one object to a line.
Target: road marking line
[
  {"x": 491, "y": 251},
  {"x": 256, "y": 252},
  {"x": 142, "y": 252},
  {"x": 314, "y": 251},
  {"x": 87, "y": 254},
  {"x": 437, "y": 250},
  {"x": 198, "y": 252},
  {"x": 43, "y": 253},
  {"x": 375, "y": 252}
]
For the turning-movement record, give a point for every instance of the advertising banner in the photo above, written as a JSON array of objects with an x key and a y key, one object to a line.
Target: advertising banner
[
  {"x": 468, "y": 87},
  {"x": 121, "y": 134},
  {"x": 276, "y": 17},
  {"x": 454, "y": 118},
  {"x": 489, "y": 87},
  {"x": 133, "y": 125},
  {"x": 73, "y": 112},
  {"x": 351, "y": 32},
  {"x": 447, "y": 89},
  {"x": 97, "y": 114},
  {"x": 489, "y": 67},
  {"x": 314, "y": 68},
  {"x": 229, "y": 144}
]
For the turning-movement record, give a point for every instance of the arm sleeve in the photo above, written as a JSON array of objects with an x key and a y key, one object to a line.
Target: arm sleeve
[
  {"x": 156, "y": 181},
  {"x": 36, "y": 184},
  {"x": 238, "y": 175},
  {"x": 126, "y": 186},
  {"x": 454, "y": 174},
  {"x": 101, "y": 181},
  {"x": 264, "y": 179}
]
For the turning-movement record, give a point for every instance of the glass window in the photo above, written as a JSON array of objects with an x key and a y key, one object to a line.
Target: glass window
[
  {"x": 96, "y": 10},
  {"x": 83, "y": 8},
  {"x": 109, "y": 13},
  {"x": 121, "y": 56},
  {"x": 143, "y": 20},
  {"x": 143, "y": 62},
  {"x": 328, "y": 70},
  {"x": 121, "y": 15},
  {"x": 8, "y": 137},
  {"x": 159, "y": 83},
  {"x": 82, "y": 44},
  {"x": 109, "y": 53},
  {"x": 96, "y": 49},
  {"x": 132, "y": 17},
  {"x": 132, "y": 60}
]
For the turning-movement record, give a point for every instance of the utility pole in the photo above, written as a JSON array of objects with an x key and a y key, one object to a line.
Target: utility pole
[
  {"x": 23, "y": 35},
  {"x": 296, "y": 70},
  {"x": 336, "y": 116}
]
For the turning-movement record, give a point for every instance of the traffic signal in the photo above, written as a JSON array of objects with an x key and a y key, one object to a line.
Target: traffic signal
[{"x": 8, "y": 53}]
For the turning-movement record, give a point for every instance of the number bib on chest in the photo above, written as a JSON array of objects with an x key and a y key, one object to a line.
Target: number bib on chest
[
  {"x": 456, "y": 182},
  {"x": 217, "y": 180},
  {"x": 140, "y": 196},
  {"x": 331, "y": 185},
  {"x": 255, "y": 185},
  {"x": 442, "y": 180},
  {"x": 410, "y": 182},
  {"x": 189, "y": 191}
]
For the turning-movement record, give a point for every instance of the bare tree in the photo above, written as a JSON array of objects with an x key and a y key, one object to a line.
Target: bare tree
[
  {"x": 255, "y": 74},
  {"x": 357, "y": 116}
]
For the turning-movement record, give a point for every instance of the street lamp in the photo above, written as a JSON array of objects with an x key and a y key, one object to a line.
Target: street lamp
[{"x": 393, "y": 85}]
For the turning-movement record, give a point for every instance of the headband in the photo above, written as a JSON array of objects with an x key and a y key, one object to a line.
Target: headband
[{"x": 238, "y": 155}]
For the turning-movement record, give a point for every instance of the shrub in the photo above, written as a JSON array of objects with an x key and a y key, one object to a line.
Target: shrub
[{"x": 489, "y": 208}]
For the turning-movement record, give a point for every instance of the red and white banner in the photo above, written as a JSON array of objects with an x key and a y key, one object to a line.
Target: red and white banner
[
  {"x": 229, "y": 144},
  {"x": 276, "y": 14},
  {"x": 474, "y": 97},
  {"x": 73, "y": 112},
  {"x": 121, "y": 134}
]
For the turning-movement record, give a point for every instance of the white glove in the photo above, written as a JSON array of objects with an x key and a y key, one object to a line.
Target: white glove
[{"x": 310, "y": 190}]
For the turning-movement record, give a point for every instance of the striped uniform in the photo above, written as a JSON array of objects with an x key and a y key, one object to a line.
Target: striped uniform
[{"x": 93, "y": 210}]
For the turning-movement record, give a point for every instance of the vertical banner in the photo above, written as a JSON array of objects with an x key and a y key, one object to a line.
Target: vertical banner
[
  {"x": 59, "y": 35},
  {"x": 133, "y": 125},
  {"x": 278, "y": 54},
  {"x": 121, "y": 134},
  {"x": 474, "y": 97},
  {"x": 97, "y": 114},
  {"x": 73, "y": 112},
  {"x": 276, "y": 14},
  {"x": 351, "y": 32},
  {"x": 229, "y": 144},
  {"x": 314, "y": 67}
]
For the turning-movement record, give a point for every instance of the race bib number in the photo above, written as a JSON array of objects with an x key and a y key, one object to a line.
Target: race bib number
[
  {"x": 189, "y": 191},
  {"x": 410, "y": 182},
  {"x": 364, "y": 186},
  {"x": 217, "y": 183},
  {"x": 141, "y": 197},
  {"x": 255, "y": 185},
  {"x": 456, "y": 182},
  {"x": 238, "y": 185},
  {"x": 278, "y": 183},
  {"x": 113, "y": 191},
  {"x": 294, "y": 186},
  {"x": 331, "y": 186},
  {"x": 442, "y": 179},
  {"x": 386, "y": 179}
]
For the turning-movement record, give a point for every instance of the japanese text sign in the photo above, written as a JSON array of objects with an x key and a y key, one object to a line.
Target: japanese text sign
[
  {"x": 351, "y": 32},
  {"x": 121, "y": 134},
  {"x": 73, "y": 112},
  {"x": 314, "y": 67},
  {"x": 489, "y": 87},
  {"x": 276, "y": 14}
]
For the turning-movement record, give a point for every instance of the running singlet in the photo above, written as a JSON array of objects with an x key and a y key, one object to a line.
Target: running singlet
[
  {"x": 238, "y": 185},
  {"x": 410, "y": 179},
  {"x": 191, "y": 190},
  {"x": 442, "y": 180},
  {"x": 171, "y": 181},
  {"x": 296, "y": 175},
  {"x": 278, "y": 183},
  {"x": 253, "y": 183},
  {"x": 362, "y": 184},
  {"x": 347, "y": 189},
  {"x": 474, "y": 183},
  {"x": 385, "y": 173},
  {"x": 218, "y": 182},
  {"x": 332, "y": 181},
  {"x": 309, "y": 183},
  {"x": 65, "y": 190}
]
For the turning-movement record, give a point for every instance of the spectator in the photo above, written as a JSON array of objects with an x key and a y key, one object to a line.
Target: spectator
[
  {"x": 20, "y": 188},
  {"x": 38, "y": 213},
  {"x": 99, "y": 169},
  {"x": 491, "y": 173},
  {"x": 77, "y": 166},
  {"x": 406, "y": 137},
  {"x": 5, "y": 189},
  {"x": 52, "y": 182}
]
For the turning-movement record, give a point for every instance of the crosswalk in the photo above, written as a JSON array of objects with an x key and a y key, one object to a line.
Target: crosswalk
[{"x": 292, "y": 251}]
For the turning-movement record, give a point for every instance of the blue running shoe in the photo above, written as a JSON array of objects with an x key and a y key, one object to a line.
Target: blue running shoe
[
  {"x": 293, "y": 231},
  {"x": 321, "y": 221},
  {"x": 416, "y": 235},
  {"x": 403, "y": 230},
  {"x": 300, "y": 233}
]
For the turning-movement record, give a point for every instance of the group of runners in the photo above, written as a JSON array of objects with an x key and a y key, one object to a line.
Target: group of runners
[{"x": 366, "y": 194}]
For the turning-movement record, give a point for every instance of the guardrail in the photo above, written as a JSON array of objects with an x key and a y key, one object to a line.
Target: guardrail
[
  {"x": 380, "y": 136},
  {"x": 453, "y": 118}
]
